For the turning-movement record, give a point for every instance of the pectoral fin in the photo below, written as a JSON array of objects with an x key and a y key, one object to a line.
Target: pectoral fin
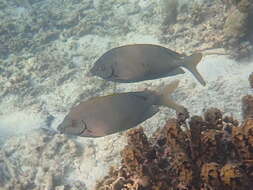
[
  {"x": 149, "y": 113},
  {"x": 176, "y": 71}
]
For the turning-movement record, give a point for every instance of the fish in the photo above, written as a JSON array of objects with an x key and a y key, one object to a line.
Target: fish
[
  {"x": 104, "y": 115},
  {"x": 139, "y": 62}
]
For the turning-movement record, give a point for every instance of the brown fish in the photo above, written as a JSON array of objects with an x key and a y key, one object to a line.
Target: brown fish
[
  {"x": 104, "y": 115},
  {"x": 138, "y": 62}
]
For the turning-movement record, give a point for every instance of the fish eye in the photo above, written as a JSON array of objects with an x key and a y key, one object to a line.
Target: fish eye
[
  {"x": 101, "y": 67},
  {"x": 84, "y": 127},
  {"x": 73, "y": 127},
  {"x": 107, "y": 72},
  {"x": 102, "y": 70}
]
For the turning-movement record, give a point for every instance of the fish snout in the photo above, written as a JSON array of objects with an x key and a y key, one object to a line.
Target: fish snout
[
  {"x": 60, "y": 129},
  {"x": 101, "y": 70},
  {"x": 91, "y": 72}
]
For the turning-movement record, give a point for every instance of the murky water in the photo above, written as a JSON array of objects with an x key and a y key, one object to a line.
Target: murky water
[{"x": 47, "y": 48}]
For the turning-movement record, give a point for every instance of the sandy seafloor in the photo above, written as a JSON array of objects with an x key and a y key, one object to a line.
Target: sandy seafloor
[{"x": 38, "y": 90}]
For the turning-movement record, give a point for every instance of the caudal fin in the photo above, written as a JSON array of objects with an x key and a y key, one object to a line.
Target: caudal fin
[
  {"x": 166, "y": 100},
  {"x": 191, "y": 63}
]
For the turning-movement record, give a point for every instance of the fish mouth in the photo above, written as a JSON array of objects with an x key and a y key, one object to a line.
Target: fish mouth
[
  {"x": 101, "y": 71},
  {"x": 68, "y": 129},
  {"x": 90, "y": 74},
  {"x": 84, "y": 127},
  {"x": 60, "y": 128}
]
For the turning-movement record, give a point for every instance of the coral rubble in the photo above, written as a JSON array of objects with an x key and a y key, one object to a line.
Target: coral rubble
[
  {"x": 31, "y": 26},
  {"x": 194, "y": 28},
  {"x": 213, "y": 152},
  {"x": 37, "y": 161},
  {"x": 217, "y": 24}
]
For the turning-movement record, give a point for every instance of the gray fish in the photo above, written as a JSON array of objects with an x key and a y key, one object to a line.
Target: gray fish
[
  {"x": 138, "y": 62},
  {"x": 104, "y": 115}
]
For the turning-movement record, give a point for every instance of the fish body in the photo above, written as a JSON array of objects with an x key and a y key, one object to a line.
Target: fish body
[
  {"x": 104, "y": 115},
  {"x": 139, "y": 62}
]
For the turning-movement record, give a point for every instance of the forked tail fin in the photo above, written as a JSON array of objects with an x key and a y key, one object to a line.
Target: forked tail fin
[
  {"x": 166, "y": 100},
  {"x": 191, "y": 63}
]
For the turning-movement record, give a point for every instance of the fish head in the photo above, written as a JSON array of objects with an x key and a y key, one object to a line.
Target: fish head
[
  {"x": 104, "y": 71},
  {"x": 74, "y": 127}
]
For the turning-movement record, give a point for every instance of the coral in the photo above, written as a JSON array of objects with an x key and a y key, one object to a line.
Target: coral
[
  {"x": 212, "y": 25},
  {"x": 37, "y": 24},
  {"x": 210, "y": 175},
  {"x": 238, "y": 29},
  {"x": 251, "y": 80},
  {"x": 247, "y": 106},
  {"x": 245, "y": 6},
  {"x": 213, "y": 116},
  {"x": 194, "y": 28},
  {"x": 235, "y": 25},
  {"x": 213, "y": 152},
  {"x": 197, "y": 13},
  {"x": 233, "y": 177},
  {"x": 169, "y": 11},
  {"x": 243, "y": 140}
]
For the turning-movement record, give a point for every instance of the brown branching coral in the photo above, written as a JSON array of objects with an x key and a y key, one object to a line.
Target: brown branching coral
[
  {"x": 210, "y": 153},
  {"x": 251, "y": 80},
  {"x": 213, "y": 117},
  {"x": 233, "y": 177},
  {"x": 247, "y": 106},
  {"x": 210, "y": 175}
]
